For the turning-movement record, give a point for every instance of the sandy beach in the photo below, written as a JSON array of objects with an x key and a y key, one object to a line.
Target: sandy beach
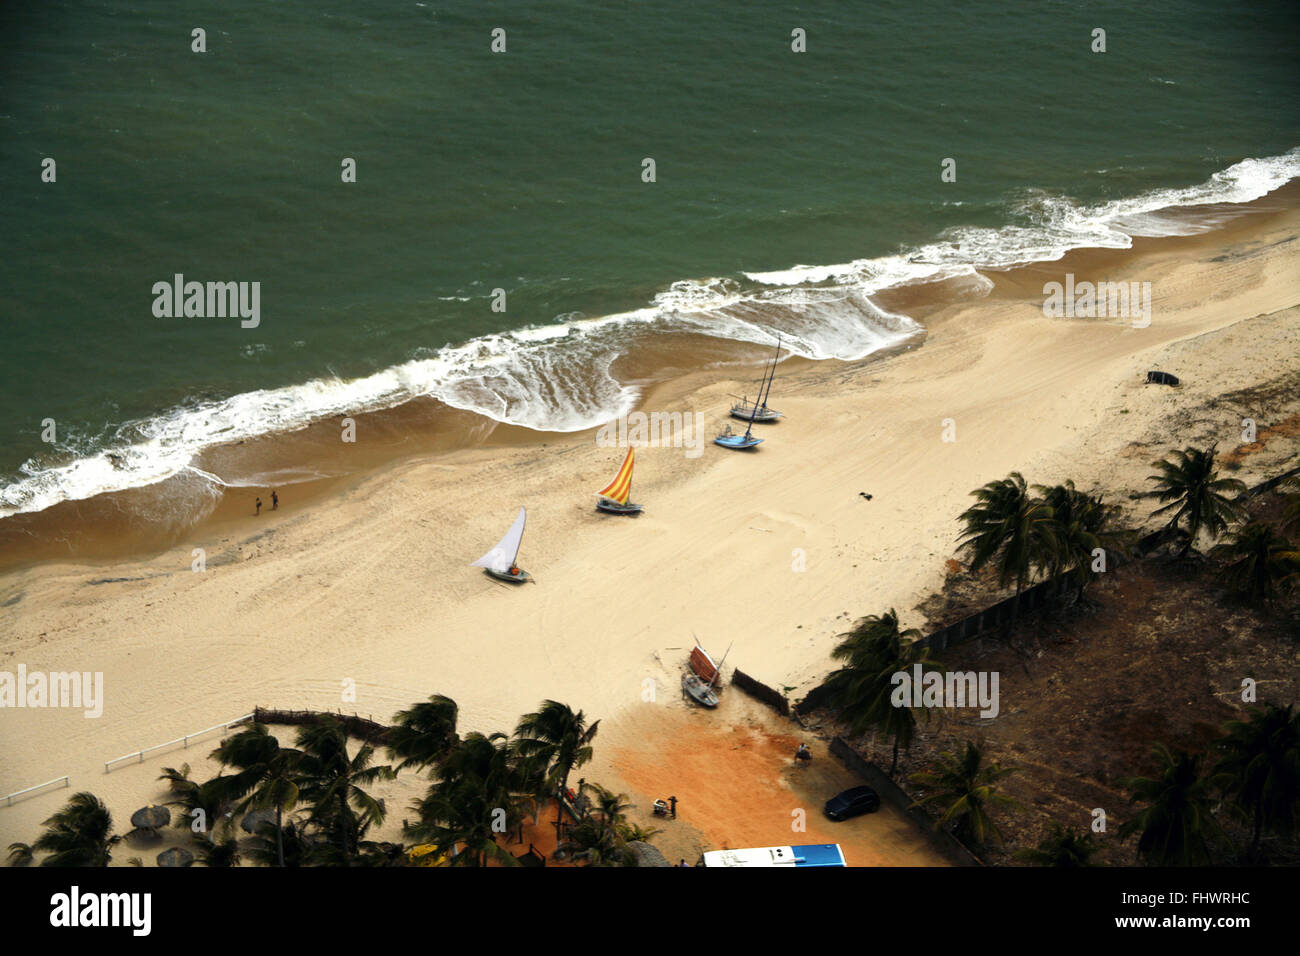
[{"x": 774, "y": 553}]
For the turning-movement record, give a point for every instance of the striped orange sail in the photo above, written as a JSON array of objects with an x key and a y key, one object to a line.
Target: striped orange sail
[{"x": 621, "y": 487}]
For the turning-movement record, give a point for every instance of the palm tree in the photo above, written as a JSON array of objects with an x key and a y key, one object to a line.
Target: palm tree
[
  {"x": 862, "y": 690},
  {"x": 1264, "y": 565},
  {"x": 601, "y": 836},
  {"x": 1260, "y": 768},
  {"x": 1013, "y": 530},
  {"x": 967, "y": 790},
  {"x": 1291, "y": 507},
  {"x": 81, "y": 834},
  {"x": 423, "y": 734},
  {"x": 1066, "y": 848},
  {"x": 1084, "y": 523},
  {"x": 21, "y": 854},
  {"x": 554, "y": 741},
  {"x": 1188, "y": 481},
  {"x": 202, "y": 802},
  {"x": 474, "y": 798},
  {"x": 266, "y": 777},
  {"x": 1176, "y": 823},
  {"x": 334, "y": 783},
  {"x": 217, "y": 852}
]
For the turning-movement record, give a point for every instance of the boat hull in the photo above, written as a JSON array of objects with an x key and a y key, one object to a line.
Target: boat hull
[
  {"x": 746, "y": 413},
  {"x": 737, "y": 442},
  {"x": 521, "y": 578},
  {"x": 699, "y": 691},
  {"x": 614, "y": 508}
]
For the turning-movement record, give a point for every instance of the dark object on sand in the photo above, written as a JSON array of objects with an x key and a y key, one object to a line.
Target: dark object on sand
[
  {"x": 803, "y": 753},
  {"x": 1161, "y": 378},
  {"x": 863, "y": 494}
]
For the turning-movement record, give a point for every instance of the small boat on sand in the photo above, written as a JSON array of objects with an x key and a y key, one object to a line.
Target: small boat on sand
[
  {"x": 758, "y": 411},
  {"x": 500, "y": 561},
  {"x": 703, "y": 674},
  {"x": 614, "y": 498}
]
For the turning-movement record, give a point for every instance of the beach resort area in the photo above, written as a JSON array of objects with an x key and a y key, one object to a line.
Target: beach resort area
[{"x": 387, "y": 507}]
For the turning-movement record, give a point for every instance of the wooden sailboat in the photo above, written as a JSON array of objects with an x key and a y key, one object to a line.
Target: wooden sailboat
[
  {"x": 500, "y": 561},
  {"x": 703, "y": 674},
  {"x": 614, "y": 498},
  {"x": 741, "y": 442},
  {"x": 759, "y": 411}
]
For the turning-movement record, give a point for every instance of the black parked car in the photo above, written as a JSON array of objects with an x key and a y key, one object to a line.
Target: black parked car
[{"x": 852, "y": 802}]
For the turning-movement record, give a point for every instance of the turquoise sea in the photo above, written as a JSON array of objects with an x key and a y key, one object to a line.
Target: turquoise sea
[{"x": 788, "y": 188}]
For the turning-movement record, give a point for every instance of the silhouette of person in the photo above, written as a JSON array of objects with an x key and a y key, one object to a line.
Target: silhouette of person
[
  {"x": 275, "y": 501},
  {"x": 259, "y": 507},
  {"x": 673, "y": 809}
]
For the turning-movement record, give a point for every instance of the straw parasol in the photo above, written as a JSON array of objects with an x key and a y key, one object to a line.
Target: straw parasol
[
  {"x": 151, "y": 817},
  {"x": 176, "y": 856}
]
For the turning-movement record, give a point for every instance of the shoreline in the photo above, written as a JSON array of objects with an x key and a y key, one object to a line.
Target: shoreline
[
  {"x": 317, "y": 467},
  {"x": 370, "y": 584}
]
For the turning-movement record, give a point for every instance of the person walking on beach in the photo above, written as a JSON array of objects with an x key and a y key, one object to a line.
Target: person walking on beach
[
  {"x": 673, "y": 810},
  {"x": 275, "y": 501},
  {"x": 259, "y": 507}
]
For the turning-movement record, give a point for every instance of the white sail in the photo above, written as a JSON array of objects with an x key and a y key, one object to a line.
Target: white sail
[{"x": 502, "y": 557}]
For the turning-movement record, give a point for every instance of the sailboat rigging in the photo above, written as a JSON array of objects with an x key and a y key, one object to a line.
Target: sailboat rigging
[
  {"x": 614, "y": 498},
  {"x": 500, "y": 561},
  {"x": 759, "y": 411}
]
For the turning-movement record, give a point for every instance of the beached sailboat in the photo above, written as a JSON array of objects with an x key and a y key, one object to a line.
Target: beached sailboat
[
  {"x": 614, "y": 498},
  {"x": 747, "y": 441},
  {"x": 500, "y": 561},
  {"x": 759, "y": 411},
  {"x": 703, "y": 674}
]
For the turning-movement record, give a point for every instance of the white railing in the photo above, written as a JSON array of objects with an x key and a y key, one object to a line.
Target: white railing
[
  {"x": 138, "y": 756},
  {"x": 9, "y": 800}
]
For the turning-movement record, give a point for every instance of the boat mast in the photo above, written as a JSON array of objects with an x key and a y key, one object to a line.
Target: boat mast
[
  {"x": 717, "y": 671},
  {"x": 764, "y": 398},
  {"x": 754, "y": 413}
]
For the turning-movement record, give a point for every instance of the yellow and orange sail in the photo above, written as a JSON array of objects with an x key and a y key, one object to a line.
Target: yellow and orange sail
[{"x": 621, "y": 487}]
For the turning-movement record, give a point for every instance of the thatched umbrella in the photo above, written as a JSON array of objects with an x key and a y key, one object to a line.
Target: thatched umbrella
[
  {"x": 176, "y": 856},
  {"x": 151, "y": 817},
  {"x": 256, "y": 819}
]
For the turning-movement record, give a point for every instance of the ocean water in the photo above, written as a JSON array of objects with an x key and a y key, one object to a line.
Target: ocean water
[{"x": 789, "y": 187}]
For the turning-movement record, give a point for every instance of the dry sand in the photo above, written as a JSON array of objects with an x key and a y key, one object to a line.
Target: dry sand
[{"x": 371, "y": 586}]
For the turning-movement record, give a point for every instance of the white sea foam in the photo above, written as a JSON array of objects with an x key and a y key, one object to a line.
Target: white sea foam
[{"x": 557, "y": 377}]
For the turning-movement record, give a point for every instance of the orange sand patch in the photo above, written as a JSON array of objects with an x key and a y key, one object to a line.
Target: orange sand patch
[{"x": 738, "y": 785}]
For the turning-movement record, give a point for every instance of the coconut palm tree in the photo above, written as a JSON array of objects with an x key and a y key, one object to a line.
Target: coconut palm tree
[
  {"x": 474, "y": 799},
  {"x": 1188, "y": 481},
  {"x": 201, "y": 803},
  {"x": 1062, "y": 847},
  {"x": 266, "y": 777},
  {"x": 334, "y": 783},
  {"x": 1013, "y": 530},
  {"x": 423, "y": 734},
  {"x": 553, "y": 742},
  {"x": 1176, "y": 825},
  {"x": 1084, "y": 523},
  {"x": 601, "y": 836},
  {"x": 1260, "y": 769},
  {"x": 222, "y": 852},
  {"x": 1264, "y": 565},
  {"x": 80, "y": 834},
  {"x": 862, "y": 690},
  {"x": 21, "y": 854},
  {"x": 967, "y": 789}
]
